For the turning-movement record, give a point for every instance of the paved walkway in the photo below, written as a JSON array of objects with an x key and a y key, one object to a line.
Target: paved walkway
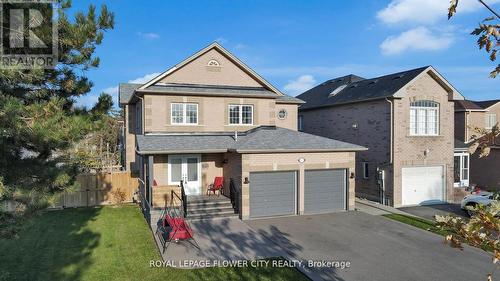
[
  {"x": 429, "y": 211},
  {"x": 377, "y": 209}
]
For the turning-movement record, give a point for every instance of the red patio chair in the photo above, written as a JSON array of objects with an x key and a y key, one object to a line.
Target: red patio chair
[{"x": 217, "y": 185}]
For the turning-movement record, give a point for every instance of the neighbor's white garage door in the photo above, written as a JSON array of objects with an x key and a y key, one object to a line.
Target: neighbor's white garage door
[{"x": 422, "y": 185}]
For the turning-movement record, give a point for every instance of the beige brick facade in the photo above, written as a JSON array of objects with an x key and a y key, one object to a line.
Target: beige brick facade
[
  {"x": 369, "y": 124},
  {"x": 289, "y": 162}
]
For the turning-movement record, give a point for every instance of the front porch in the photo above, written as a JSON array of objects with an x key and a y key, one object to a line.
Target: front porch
[{"x": 164, "y": 173}]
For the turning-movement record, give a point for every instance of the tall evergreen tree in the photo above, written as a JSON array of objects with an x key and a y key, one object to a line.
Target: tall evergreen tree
[{"x": 38, "y": 121}]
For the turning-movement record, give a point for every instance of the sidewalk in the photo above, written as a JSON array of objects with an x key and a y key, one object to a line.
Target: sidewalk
[{"x": 377, "y": 209}]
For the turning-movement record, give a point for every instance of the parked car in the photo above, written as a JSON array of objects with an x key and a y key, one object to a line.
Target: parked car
[{"x": 480, "y": 198}]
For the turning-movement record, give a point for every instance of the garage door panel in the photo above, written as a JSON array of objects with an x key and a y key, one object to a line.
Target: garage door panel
[
  {"x": 324, "y": 190},
  {"x": 272, "y": 193},
  {"x": 422, "y": 185}
]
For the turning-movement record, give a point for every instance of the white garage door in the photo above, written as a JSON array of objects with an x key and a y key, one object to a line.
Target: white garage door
[{"x": 422, "y": 185}]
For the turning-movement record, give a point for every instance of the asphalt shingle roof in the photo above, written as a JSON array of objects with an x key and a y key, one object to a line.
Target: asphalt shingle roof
[
  {"x": 487, "y": 103},
  {"x": 204, "y": 89},
  {"x": 125, "y": 91},
  {"x": 357, "y": 89},
  {"x": 288, "y": 99},
  {"x": 461, "y": 105},
  {"x": 260, "y": 139}
]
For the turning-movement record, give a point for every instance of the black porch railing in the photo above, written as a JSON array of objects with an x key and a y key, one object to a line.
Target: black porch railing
[
  {"x": 234, "y": 196},
  {"x": 183, "y": 200}
]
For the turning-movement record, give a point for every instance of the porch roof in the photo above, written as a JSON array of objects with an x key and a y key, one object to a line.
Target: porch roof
[{"x": 258, "y": 140}]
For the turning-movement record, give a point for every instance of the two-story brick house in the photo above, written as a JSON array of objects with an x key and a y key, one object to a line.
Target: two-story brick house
[
  {"x": 404, "y": 119},
  {"x": 470, "y": 118},
  {"x": 211, "y": 115}
]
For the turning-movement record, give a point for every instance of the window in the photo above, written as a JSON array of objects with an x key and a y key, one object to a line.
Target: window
[
  {"x": 337, "y": 90},
  {"x": 366, "y": 171},
  {"x": 491, "y": 121},
  {"x": 282, "y": 114},
  {"x": 424, "y": 118},
  {"x": 184, "y": 113},
  {"x": 240, "y": 114},
  {"x": 461, "y": 169}
]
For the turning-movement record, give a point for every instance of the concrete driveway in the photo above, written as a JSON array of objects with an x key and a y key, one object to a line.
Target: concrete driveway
[
  {"x": 429, "y": 211},
  {"x": 376, "y": 247}
]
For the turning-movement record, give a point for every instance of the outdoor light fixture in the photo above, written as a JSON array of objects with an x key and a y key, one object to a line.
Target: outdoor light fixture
[
  {"x": 246, "y": 181},
  {"x": 354, "y": 125},
  {"x": 352, "y": 175},
  {"x": 301, "y": 160}
]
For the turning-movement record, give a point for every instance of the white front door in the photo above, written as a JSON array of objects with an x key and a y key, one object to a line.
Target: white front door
[
  {"x": 186, "y": 168},
  {"x": 423, "y": 185}
]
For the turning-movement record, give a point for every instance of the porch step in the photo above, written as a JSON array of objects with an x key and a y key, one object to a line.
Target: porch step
[
  {"x": 202, "y": 207},
  {"x": 209, "y": 205},
  {"x": 205, "y": 216}
]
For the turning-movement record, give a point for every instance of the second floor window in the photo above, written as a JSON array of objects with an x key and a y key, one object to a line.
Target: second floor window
[
  {"x": 424, "y": 118},
  {"x": 240, "y": 114},
  {"x": 184, "y": 113},
  {"x": 491, "y": 120}
]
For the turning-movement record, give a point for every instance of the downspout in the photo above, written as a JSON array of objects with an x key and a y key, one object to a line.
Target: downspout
[
  {"x": 391, "y": 149},
  {"x": 142, "y": 112}
]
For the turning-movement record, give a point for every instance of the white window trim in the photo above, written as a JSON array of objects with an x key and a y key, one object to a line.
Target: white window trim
[
  {"x": 366, "y": 173},
  {"x": 184, "y": 114},
  {"x": 240, "y": 117},
  {"x": 488, "y": 117},
  {"x": 426, "y": 108},
  {"x": 463, "y": 182}
]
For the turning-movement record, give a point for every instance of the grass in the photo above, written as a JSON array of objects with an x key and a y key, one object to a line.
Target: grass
[
  {"x": 418, "y": 222},
  {"x": 103, "y": 243}
]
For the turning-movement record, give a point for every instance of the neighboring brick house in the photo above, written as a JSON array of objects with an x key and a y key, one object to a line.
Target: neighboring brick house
[
  {"x": 211, "y": 115},
  {"x": 471, "y": 116},
  {"x": 404, "y": 119}
]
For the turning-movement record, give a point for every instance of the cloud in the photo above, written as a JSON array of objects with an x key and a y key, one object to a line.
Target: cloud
[
  {"x": 300, "y": 85},
  {"x": 221, "y": 40},
  {"x": 149, "y": 35},
  {"x": 89, "y": 100},
  {"x": 419, "y": 38},
  {"x": 424, "y": 11},
  {"x": 145, "y": 78}
]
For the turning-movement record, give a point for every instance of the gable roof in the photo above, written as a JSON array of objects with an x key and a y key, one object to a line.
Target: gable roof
[
  {"x": 261, "y": 139},
  {"x": 356, "y": 89},
  {"x": 467, "y": 105},
  {"x": 126, "y": 91},
  {"x": 487, "y": 103},
  {"x": 223, "y": 51}
]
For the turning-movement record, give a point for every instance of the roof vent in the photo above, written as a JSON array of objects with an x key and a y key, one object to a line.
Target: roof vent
[
  {"x": 374, "y": 81},
  {"x": 354, "y": 85},
  {"x": 337, "y": 90},
  {"x": 399, "y": 76}
]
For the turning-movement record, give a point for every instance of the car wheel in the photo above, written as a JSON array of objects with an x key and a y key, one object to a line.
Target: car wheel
[{"x": 469, "y": 209}]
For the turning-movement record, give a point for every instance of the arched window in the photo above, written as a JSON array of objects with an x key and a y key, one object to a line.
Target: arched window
[
  {"x": 213, "y": 63},
  {"x": 424, "y": 118}
]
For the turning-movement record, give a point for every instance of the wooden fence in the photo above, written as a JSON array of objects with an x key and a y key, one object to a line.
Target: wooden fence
[{"x": 99, "y": 189}]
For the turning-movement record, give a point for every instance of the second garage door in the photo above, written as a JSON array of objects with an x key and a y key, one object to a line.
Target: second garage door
[
  {"x": 324, "y": 191},
  {"x": 273, "y": 193},
  {"x": 422, "y": 185}
]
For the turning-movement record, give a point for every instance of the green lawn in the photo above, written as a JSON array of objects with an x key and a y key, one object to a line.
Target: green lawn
[
  {"x": 103, "y": 244},
  {"x": 418, "y": 222}
]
